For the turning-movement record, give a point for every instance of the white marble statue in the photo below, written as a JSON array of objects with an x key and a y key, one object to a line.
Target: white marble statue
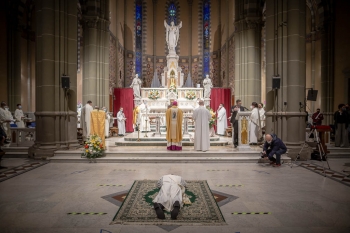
[
  {"x": 136, "y": 86},
  {"x": 207, "y": 84},
  {"x": 172, "y": 35}
]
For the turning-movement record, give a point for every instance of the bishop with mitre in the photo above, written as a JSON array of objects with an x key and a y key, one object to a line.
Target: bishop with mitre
[{"x": 174, "y": 118}]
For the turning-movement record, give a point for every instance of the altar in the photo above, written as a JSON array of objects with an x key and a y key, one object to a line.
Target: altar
[{"x": 152, "y": 103}]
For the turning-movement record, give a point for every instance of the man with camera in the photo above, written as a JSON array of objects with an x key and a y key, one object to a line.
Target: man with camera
[{"x": 273, "y": 146}]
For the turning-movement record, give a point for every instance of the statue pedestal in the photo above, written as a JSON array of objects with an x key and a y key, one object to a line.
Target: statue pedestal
[
  {"x": 207, "y": 101},
  {"x": 243, "y": 131}
]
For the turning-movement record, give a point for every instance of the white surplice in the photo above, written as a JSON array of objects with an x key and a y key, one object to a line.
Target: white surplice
[
  {"x": 121, "y": 123},
  {"x": 221, "y": 121},
  {"x": 4, "y": 117},
  {"x": 172, "y": 188},
  {"x": 254, "y": 126},
  {"x": 201, "y": 116},
  {"x": 107, "y": 120},
  {"x": 18, "y": 115},
  {"x": 262, "y": 117},
  {"x": 87, "y": 119}
]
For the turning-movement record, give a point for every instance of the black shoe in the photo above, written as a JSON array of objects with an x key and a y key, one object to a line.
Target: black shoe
[
  {"x": 159, "y": 210},
  {"x": 176, "y": 210}
]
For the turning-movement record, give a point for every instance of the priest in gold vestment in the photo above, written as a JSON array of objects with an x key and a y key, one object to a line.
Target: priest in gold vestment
[
  {"x": 98, "y": 124},
  {"x": 174, "y": 118}
]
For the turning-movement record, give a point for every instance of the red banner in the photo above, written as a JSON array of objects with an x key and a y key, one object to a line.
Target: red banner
[
  {"x": 124, "y": 97},
  {"x": 221, "y": 96}
]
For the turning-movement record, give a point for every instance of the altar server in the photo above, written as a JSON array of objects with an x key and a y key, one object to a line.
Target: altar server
[
  {"x": 107, "y": 120},
  {"x": 85, "y": 119},
  {"x": 19, "y": 116},
  {"x": 201, "y": 116},
  {"x": 262, "y": 115},
  {"x": 171, "y": 196},
  {"x": 5, "y": 118},
  {"x": 121, "y": 122},
  {"x": 174, "y": 118},
  {"x": 222, "y": 120},
  {"x": 254, "y": 124}
]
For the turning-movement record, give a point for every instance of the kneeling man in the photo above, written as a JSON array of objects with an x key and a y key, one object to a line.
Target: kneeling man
[
  {"x": 273, "y": 146},
  {"x": 172, "y": 189}
]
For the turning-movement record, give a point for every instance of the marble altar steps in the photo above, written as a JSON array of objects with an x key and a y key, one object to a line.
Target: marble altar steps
[
  {"x": 163, "y": 128},
  {"x": 131, "y": 140},
  {"x": 145, "y": 154}
]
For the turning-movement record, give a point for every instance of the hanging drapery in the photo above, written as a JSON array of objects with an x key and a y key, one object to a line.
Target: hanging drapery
[
  {"x": 124, "y": 97},
  {"x": 218, "y": 96}
]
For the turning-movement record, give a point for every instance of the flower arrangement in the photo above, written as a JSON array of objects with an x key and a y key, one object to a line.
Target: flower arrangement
[
  {"x": 93, "y": 148},
  {"x": 153, "y": 95},
  {"x": 213, "y": 117},
  {"x": 190, "y": 95},
  {"x": 172, "y": 88}
]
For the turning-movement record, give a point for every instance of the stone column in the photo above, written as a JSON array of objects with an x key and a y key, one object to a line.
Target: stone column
[
  {"x": 285, "y": 56},
  {"x": 14, "y": 64},
  {"x": 226, "y": 84},
  {"x": 190, "y": 3},
  {"x": 56, "y": 54},
  {"x": 154, "y": 37},
  {"x": 248, "y": 52},
  {"x": 327, "y": 71},
  {"x": 96, "y": 52}
]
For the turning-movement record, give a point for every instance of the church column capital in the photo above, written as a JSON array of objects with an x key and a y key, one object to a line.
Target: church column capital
[
  {"x": 247, "y": 24},
  {"x": 90, "y": 22}
]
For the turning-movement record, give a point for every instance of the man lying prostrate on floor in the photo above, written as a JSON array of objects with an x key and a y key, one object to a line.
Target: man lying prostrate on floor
[
  {"x": 170, "y": 196},
  {"x": 273, "y": 146}
]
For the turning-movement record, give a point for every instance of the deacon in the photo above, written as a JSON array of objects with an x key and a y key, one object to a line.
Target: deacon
[
  {"x": 97, "y": 125},
  {"x": 170, "y": 196},
  {"x": 85, "y": 119},
  {"x": 19, "y": 116},
  {"x": 121, "y": 122},
  {"x": 222, "y": 120},
  {"x": 234, "y": 110},
  {"x": 201, "y": 116},
  {"x": 136, "y": 117},
  {"x": 317, "y": 117},
  {"x": 174, "y": 118}
]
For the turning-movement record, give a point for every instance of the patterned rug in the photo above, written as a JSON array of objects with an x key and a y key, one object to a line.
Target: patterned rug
[
  {"x": 137, "y": 207},
  {"x": 12, "y": 172},
  {"x": 334, "y": 175}
]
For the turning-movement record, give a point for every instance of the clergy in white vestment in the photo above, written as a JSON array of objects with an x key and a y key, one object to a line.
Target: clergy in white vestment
[
  {"x": 174, "y": 117},
  {"x": 107, "y": 120},
  {"x": 121, "y": 122},
  {"x": 85, "y": 119},
  {"x": 201, "y": 116},
  {"x": 5, "y": 119},
  {"x": 19, "y": 116},
  {"x": 262, "y": 115},
  {"x": 171, "y": 196},
  {"x": 222, "y": 120},
  {"x": 254, "y": 124},
  {"x": 144, "y": 126}
]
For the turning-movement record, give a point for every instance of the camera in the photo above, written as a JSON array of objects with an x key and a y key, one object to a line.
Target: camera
[{"x": 262, "y": 155}]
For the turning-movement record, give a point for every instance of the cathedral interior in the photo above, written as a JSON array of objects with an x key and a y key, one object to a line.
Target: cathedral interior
[{"x": 243, "y": 45}]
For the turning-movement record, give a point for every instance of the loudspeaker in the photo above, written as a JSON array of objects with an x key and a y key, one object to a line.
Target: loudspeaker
[
  {"x": 65, "y": 82},
  {"x": 276, "y": 82},
  {"x": 312, "y": 95}
]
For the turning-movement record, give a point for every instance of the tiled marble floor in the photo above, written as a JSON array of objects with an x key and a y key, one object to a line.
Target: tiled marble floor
[{"x": 298, "y": 199}]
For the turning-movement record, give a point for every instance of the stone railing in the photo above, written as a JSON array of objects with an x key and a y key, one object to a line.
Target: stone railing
[{"x": 22, "y": 137}]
